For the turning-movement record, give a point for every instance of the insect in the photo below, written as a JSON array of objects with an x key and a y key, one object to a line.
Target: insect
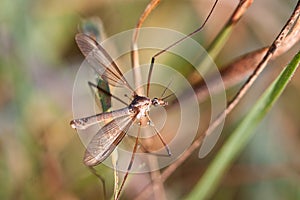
[
  {"x": 117, "y": 122},
  {"x": 112, "y": 133}
]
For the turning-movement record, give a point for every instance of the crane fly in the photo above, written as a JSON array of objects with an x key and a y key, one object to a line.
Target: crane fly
[
  {"x": 111, "y": 134},
  {"x": 118, "y": 122}
]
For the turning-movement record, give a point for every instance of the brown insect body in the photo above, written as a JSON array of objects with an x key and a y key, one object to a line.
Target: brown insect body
[
  {"x": 111, "y": 134},
  {"x": 117, "y": 122}
]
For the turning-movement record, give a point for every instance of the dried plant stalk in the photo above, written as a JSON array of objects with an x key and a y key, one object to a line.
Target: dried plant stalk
[{"x": 134, "y": 53}]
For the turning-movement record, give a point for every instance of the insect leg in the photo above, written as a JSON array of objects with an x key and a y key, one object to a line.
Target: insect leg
[
  {"x": 175, "y": 43},
  {"x": 130, "y": 163},
  {"x": 160, "y": 137}
]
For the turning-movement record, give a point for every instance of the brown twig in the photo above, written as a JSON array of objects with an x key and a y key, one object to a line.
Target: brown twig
[
  {"x": 158, "y": 187},
  {"x": 241, "y": 68}
]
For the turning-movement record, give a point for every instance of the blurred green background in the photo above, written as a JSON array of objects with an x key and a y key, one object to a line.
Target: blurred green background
[{"x": 41, "y": 156}]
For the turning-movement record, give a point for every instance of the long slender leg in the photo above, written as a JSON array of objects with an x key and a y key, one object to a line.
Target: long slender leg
[
  {"x": 175, "y": 43},
  {"x": 163, "y": 142},
  {"x": 164, "y": 98},
  {"x": 159, "y": 136},
  {"x": 165, "y": 90},
  {"x": 130, "y": 163},
  {"x": 144, "y": 149}
]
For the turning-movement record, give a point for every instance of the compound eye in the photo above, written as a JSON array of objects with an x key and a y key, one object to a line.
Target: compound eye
[{"x": 155, "y": 102}]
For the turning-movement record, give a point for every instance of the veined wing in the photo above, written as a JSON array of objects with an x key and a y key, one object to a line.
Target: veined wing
[
  {"x": 101, "y": 61},
  {"x": 106, "y": 140},
  {"x": 86, "y": 122}
]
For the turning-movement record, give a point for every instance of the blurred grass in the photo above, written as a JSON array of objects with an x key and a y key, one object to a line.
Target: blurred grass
[{"x": 41, "y": 156}]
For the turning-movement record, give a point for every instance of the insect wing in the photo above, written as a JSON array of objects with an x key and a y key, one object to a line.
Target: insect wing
[
  {"x": 100, "y": 60},
  {"x": 106, "y": 140}
]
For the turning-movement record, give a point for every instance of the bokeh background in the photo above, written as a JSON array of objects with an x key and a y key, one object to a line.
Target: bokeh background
[{"x": 41, "y": 156}]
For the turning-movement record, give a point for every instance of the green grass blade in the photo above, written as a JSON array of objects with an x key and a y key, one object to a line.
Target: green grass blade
[
  {"x": 242, "y": 134},
  {"x": 218, "y": 43},
  {"x": 214, "y": 49}
]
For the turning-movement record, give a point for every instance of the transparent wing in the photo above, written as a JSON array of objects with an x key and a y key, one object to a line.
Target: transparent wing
[
  {"x": 100, "y": 60},
  {"x": 106, "y": 140}
]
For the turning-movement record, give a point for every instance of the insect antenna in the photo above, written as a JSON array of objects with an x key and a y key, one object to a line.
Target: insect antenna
[
  {"x": 165, "y": 90},
  {"x": 164, "y": 98}
]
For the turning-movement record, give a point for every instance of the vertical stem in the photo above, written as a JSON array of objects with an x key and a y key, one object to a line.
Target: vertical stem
[{"x": 134, "y": 52}]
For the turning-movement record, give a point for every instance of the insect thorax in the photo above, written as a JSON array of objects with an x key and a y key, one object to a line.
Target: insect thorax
[{"x": 140, "y": 105}]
